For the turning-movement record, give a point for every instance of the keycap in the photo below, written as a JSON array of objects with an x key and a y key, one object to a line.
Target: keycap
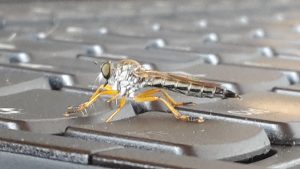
[
  {"x": 4, "y": 34},
  {"x": 226, "y": 53},
  {"x": 288, "y": 90},
  {"x": 16, "y": 29},
  {"x": 109, "y": 42},
  {"x": 38, "y": 46},
  {"x": 68, "y": 65},
  {"x": 139, "y": 159},
  {"x": 37, "y": 110},
  {"x": 277, "y": 114},
  {"x": 285, "y": 157},
  {"x": 17, "y": 80},
  {"x": 20, "y": 161},
  {"x": 13, "y": 56},
  {"x": 37, "y": 70},
  {"x": 50, "y": 146},
  {"x": 161, "y": 132},
  {"x": 10, "y": 77},
  {"x": 38, "y": 83},
  {"x": 274, "y": 63},
  {"x": 243, "y": 79},
  {"x": 124, "y": 158},
  {"x": 84, "y": 73},
  {"x": 67, "y": 71},
  {"x": 279, "y": 46},
  {"x": 288, "y": 66},
  {"x": 163, "y": 59}
]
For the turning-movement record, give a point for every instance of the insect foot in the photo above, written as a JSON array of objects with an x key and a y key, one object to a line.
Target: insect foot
[
  {"x": 190, "y": 118},
  {"x": 183, "y": 104},
  {"x": 71, "y": 110}
]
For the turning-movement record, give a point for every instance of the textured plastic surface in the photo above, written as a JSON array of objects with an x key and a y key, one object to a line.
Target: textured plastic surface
[
  {"x": 162, "y": 132},
  {"x": 37, "y": 111},
  {"x": 280, "y": 121}
]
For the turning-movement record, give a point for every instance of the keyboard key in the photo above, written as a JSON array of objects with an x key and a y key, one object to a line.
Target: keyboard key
[
  {"x": 40, "y": 47},
  {"x": 37, "y": 70},
  {"x": 84, "y": 72},
  {"x": 13, "y": 56},
  {"x": 163, "y": 59},
  {"x": 18, "y": 80},
  {"x": 10, "y": 77},
  {"x": 124, "y": 158},
  {"x": 109, "y": 42},
  {"x": 293, "y": 90},
  {"x": 50, "y": 147},
  {"x": 285, "y": 157},
  {"x": 288, "y": 66},
  {"x": 43, "y": 110},
  {"x": 163, "y": 133},
  {"x": 279, "y": 46},
  {"x": 5, "y": 34},
  {"x": 69, "y": 71},
  {"x": 274, "y": 63},
  {"x": 20, "y": 161},
  {"x": 243, "y": 79},
  {"x": 39, "y": 83},
  {"x": 226, "y": 53},
  {"x": 276, "y": 113}
]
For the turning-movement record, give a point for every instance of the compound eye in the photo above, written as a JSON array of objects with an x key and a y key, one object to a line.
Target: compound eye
[{"x": 105, "y": 70}]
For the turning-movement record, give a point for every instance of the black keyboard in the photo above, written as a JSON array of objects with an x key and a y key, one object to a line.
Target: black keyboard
[{"x": 50, "y": 57}]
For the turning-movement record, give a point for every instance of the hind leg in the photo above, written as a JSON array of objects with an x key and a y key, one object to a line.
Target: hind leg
[
  {"x": 170, "y": 107},
  {"x": 151, "y": 92}
]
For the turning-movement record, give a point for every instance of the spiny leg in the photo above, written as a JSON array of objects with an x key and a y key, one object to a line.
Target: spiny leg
[
  {"x": 84, "y": 106},
  {"x": 151, "y": 92},
  {"x": 96, "y": 94},
  {"x": 106, "y": 92},
  {"x": 80, "y": 108},
  {"x": 112, "y": 98},
  {"x": 170, "y": 107},
  {"x": 121, "y": 105},
  {"x": 100, "y": 88}
]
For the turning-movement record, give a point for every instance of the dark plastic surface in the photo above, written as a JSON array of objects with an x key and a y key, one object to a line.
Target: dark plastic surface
[
  {"x": 50, "y": 147},
  {"x": 22, "y": 112},
  {"x": 47, "y": 54},
  {"x": 276, "y": 113},
  {"x": 163, "y": 133},
  {"x": 123, "y": 158}
]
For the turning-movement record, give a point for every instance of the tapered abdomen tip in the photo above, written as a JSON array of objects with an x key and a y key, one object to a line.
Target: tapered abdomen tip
[{"x": 231, "y": 94}]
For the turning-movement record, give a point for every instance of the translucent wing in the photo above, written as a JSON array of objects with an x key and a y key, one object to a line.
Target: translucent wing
[{"x": 173, "y": 77}]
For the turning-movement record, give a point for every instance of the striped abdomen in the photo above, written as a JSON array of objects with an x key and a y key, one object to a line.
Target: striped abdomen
[{"x": 199, "y": 89}]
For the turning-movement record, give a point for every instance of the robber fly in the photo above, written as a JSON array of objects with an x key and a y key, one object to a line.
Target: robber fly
[{"x": 125, "y": 78}]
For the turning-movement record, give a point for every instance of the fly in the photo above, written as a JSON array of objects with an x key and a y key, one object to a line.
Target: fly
[{"x": 125, "y": 78}]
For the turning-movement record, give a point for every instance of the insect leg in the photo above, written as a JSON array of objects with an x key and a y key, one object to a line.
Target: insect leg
[
  {"x": 80, "y": 108},
  {"x": 170, "y": 107},
  {"x": 100, "y": 88},
  {"x": 121, "y": 105},
  {"x": 112, "y": 98},
  {"x": 85, "y": 105},
  {"x": 168, "y": 97}
]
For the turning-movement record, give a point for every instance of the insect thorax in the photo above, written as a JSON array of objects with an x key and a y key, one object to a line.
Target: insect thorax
[{"x": 125, "y": 81}]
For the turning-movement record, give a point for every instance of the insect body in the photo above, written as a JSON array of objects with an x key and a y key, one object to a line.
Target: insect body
[{"x": 127, "y": 77}]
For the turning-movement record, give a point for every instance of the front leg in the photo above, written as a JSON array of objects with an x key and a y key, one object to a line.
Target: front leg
[
  {"x": 121, "y": 105},
  {"x": 82, "y": 107}
]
